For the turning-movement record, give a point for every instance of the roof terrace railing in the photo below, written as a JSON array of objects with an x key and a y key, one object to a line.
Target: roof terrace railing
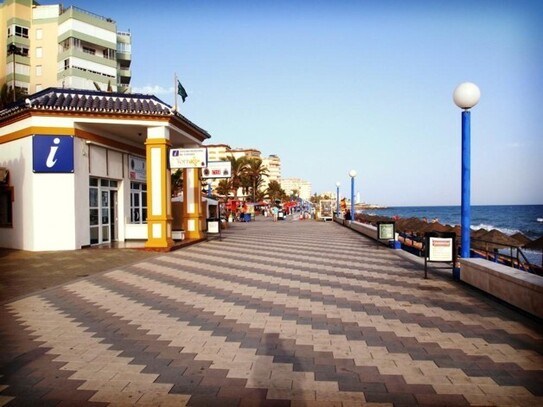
[{"x": 80, "y": 10}]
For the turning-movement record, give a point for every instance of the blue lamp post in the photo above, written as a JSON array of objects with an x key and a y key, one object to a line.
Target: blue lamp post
[
  {"x": 209, "y": 188},
  {"x": 465, "y": 96},
  {"x": 352, "y": 174},
  {"x": 337, "y": 199}
]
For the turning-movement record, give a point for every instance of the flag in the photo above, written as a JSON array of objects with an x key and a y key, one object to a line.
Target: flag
[{"x": 181, "y": 91}]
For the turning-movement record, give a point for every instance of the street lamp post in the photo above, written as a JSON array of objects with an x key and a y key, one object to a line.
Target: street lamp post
[
  {"x": 465, "y": 96},
  {"x": 352, "y": 174},
  {"x": 337, "y": 199}
]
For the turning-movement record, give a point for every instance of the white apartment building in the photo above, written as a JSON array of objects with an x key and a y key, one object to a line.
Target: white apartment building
[
  {"x": 273, "y": 164},
  {"x": 296, "y": 184},
  {"x": 52, "y": 46}
]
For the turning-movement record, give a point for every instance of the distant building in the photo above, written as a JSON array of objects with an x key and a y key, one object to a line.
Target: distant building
[
  {"x": 296, "y": 184},
  {"x": 273, "y": 164},
  {"x": 53, "y": 46},
  {"x": 219, "y": 152}
]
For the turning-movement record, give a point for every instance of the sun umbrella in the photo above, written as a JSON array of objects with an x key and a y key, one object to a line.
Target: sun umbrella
[
  {"x": 536, "y": 245},
  {"x": 436, "y": 227},
  {"x": 495, "y": 240},
  {"x": 521, "y": 238}
]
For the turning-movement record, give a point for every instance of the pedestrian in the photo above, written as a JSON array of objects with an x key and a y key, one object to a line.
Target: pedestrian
[{"x": 275, "y": 212}]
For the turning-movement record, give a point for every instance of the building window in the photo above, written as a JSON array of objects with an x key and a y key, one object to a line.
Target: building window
[
  {"x": 39, "y": 88},
  {"x": 18, "y": 31},
  {"x": 39, "y": 70},
  {"x": 39, "y": 52},
  {"x": 39, "y": 33},
  {"x": 138, "y": 202},
  {"x": 88, "y": 50},
  {"x": 6, "y": 206}
]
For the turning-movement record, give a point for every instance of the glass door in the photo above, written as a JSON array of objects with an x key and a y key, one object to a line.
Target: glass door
[{"x": 103, "y": 210}]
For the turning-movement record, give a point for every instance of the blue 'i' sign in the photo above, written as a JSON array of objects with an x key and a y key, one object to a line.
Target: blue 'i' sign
[{"x": 53, "y": 154}]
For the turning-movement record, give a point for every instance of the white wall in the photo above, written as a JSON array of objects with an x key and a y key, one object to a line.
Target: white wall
[
  {"x": 88, "y": 29},
  {"x": 53, "y": 211},
  {"x": 17, "y": 157}
]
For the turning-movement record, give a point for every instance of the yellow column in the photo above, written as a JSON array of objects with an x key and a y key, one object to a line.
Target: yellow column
[
  {"x": 159, "y": 204},
  {"x": 193, "y": 222}
]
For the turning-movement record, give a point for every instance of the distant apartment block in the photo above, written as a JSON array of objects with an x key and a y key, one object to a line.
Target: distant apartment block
[
  {"x": 303, "y": 187},
  {"x": 52, "y": 46},
  {"x": 273, "y": 164},
  {"x": 218, "y": 152}
]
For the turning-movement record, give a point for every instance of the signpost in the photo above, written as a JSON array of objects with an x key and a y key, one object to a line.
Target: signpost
[
  {"x": 188, "y": 158},
  {"x": 217, "y": 169},
  {"x": 386, "y": 230},
  {"x": 440, "y": 247}
]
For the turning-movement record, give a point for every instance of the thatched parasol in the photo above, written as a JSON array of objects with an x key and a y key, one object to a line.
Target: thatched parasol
[
  {"x": 521, "y": 238},
  {"x": 409, "y": 225},
  {"x": 437, "y": 227},
  {"x": 478, "y": 233},
  {"x": 496, "y": 239},
  {"x": 536, "y": 245}
]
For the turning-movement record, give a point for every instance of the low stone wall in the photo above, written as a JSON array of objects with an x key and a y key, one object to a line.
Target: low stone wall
[{"x": 518, "y": 288}]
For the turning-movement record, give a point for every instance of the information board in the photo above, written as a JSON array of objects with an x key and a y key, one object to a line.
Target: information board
[
  {"x": 188, "y": 158},
  {"x": 386, "y": 230},
  {"x": 440, "y": 249}
]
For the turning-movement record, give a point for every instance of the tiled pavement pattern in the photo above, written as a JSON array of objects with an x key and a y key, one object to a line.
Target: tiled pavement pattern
[
  {"x": 23, "y": 272},
  {"x": 286, "y": 313}
]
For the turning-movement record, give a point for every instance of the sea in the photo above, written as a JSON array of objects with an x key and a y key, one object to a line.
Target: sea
[{"x": 510, "y": 219}]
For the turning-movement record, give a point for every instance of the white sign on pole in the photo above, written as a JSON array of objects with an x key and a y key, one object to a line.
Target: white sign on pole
[
  {"x": 441, "y": 249},
  {"x": 188, "y": 158},
  {"x": 217, "y": 169}
]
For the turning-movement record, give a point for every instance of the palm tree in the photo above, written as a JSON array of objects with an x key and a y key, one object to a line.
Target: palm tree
[
  {"x": 255, "y": 173},
  {"x": 237, "y": 171},
  {"x": 224, "y": 187},
  {"x": 275, "y": 192},
  {"x": 177, "y": 182}
]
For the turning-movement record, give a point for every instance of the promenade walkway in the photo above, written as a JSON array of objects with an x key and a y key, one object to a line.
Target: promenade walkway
[{"x": 297, "y": 313}]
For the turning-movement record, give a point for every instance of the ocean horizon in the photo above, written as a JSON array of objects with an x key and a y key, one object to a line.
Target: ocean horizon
[{"x": 509, "y": 219}]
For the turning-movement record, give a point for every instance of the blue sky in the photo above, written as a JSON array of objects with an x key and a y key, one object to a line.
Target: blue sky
[{"x": 331, "y": 86}]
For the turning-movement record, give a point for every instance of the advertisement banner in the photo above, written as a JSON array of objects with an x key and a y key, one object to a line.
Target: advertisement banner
[
  {"x": 217, "y": 169},
  {"x": 188, "y": 158}
]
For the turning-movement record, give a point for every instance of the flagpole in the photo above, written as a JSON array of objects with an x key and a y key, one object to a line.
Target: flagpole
[{"x": 175, "y": 90}]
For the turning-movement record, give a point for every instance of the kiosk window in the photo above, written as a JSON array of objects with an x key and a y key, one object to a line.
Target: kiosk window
[{"x": 138, "y": 202}]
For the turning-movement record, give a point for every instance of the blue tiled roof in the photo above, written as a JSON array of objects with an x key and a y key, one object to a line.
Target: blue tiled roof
[
  {"x": 89, "y": 101},
  {"x": 96, "y": 101}
]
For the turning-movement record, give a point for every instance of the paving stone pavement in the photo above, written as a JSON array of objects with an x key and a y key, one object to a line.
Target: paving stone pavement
[{"x": 297, "y": 313}]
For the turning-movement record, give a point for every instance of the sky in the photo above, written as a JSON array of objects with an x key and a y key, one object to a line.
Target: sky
[{"x": 331, "y": 86}]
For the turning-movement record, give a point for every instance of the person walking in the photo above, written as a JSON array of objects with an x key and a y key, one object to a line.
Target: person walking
[{"x": 275, "y": 212}]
